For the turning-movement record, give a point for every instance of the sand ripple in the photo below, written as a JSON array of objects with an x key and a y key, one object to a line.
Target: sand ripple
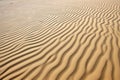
[{"x": 60, "y": 40}]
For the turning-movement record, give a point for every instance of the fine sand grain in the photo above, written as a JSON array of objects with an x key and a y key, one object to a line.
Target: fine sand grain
[{"x": 59, "y": 39}]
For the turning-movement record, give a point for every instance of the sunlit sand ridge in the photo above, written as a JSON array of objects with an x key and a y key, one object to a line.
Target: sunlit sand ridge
[{"x": 59, "y": 39}]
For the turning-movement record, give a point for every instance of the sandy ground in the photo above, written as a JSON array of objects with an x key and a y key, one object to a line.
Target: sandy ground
[{"x": 59, "y": 39}]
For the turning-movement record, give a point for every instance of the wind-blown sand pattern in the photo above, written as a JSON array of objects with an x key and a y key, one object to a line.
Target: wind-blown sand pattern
[{"x": 59, "y": 39}]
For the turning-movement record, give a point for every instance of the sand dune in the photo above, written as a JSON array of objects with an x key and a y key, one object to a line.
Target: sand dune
[{"x": 59, "y": 40}]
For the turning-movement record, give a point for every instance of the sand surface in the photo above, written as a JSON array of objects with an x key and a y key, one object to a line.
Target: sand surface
[{"x": 59, "y": 39}]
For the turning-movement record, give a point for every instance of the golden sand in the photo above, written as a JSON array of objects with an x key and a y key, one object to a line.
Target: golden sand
[{"x": 59, "y": 39}]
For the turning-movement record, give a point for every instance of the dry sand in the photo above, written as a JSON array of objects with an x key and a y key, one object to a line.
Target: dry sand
[{"x": 59, "y": 39}]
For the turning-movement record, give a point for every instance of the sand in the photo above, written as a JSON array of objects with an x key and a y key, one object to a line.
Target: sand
[{"x": 59, "y": 39}]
